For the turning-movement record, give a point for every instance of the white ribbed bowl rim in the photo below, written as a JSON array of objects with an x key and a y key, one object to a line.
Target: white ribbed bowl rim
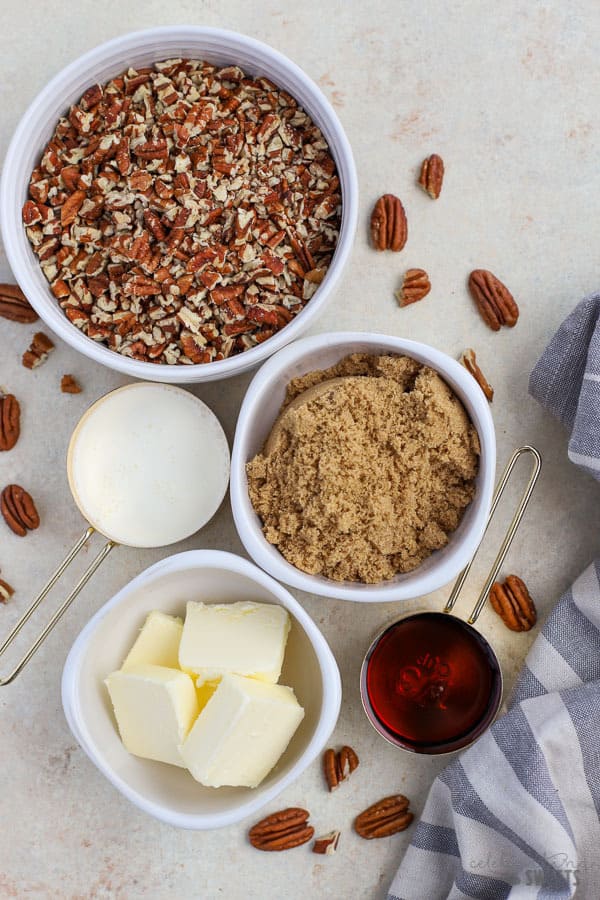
[
  {"x": 265, "y": 395},
  {"x": 75, "y": 712},
  {"x": 105, "y": 61}
]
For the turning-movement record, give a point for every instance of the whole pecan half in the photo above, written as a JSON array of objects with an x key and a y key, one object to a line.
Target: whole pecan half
[
  {"x": 69, "y": 385},
  {"x": 415, "y": 286},
  {"x": 513, "y": 604},
  {"x": 39, "y": 349},
  {"x": 431, "y": 176},
  {"x": 282, "y": 830},
  {"x": 6, "y": 591},
  {"x": 383, "y": 818},
  {"x": 18, "y": 510},
  {"x": 468, "y": 359},
  {"x": 389, "y": 228},
  {"x": 328, "y": 844},
  {"x": 337, "y": 767},
  {"x": 494, "y": 301},
  {"x": 10, "y": 421},
  {"x": 15, "y": 306}
]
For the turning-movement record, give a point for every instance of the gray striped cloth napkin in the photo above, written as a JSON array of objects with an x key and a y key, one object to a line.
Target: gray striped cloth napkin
[{"x": 518, "y": 814}]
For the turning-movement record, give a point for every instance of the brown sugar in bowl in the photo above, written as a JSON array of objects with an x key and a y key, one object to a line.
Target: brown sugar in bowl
[{"x": 260, "y": 410}]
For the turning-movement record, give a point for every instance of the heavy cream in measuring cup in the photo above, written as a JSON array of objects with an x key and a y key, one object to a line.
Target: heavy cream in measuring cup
[{"x": 148, "y": 465}]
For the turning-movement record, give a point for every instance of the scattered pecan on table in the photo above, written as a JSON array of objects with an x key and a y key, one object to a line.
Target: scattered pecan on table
[
  {"x": 10, "y": 421},
  {"x": 184, "y": 213},
  {"x": 18, "y": 509},
  {"x": 415, "y": 286},
  {"x": 389, "y": 228},
  {"x": 15, "y": 306},
  {"x": 431, "y": 176},
  {"x": 282, "y": 830},
  {"x": 327, "y": 844},
  {"x": 494, "y": 301},
  {"x": 70, "y": 385},
  {"x": 468, "y": 359},
  {"x": 386, "y": 817},
  {"x": 512, "y": 601},
  {"x": 338, "y": 767},
  {"x": 6, "y": 591},
  {"x": 40, "y": 347}
]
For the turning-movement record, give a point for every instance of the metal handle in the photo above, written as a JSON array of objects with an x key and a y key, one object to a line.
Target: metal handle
[
  {"x": 508, "y": 537},
  {"x": 61, "y": 610}
]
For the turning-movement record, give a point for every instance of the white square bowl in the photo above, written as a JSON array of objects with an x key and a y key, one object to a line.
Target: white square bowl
[{"x": 167, "y": 792}]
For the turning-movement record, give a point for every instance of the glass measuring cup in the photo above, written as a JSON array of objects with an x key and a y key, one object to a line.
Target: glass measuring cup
[
  {"x": 147, "y": 465},
  {"x": 430, "y": 682}
]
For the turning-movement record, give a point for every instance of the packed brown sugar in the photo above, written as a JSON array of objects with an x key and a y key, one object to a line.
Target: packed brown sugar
[{"x": 367, "y": 471}]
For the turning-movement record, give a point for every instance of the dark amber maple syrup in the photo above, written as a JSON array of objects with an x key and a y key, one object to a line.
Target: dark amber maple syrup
[{"x": 431, "y": 683}]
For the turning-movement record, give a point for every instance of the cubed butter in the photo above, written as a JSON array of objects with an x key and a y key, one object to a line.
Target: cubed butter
[
  {"x": 204, "y": 691},
  {"x": 242, "y": 638},
  {"x": 155, "y": 708},
  {"x": 157, "y": 644},
  {"x": 241, "y": 733}
]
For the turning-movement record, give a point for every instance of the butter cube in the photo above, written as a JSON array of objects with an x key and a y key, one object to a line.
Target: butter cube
[
  {"x": 204, "y": 691},
  {"x": 157, "y": 644},
  {"x": 241, "y": 732},
  {"x": 242, "y": 638},
  {"x": 155, "y": 708}
]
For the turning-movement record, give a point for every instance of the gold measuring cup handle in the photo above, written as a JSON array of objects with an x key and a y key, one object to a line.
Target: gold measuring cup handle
[
  {"x": 510, "y": 533},
  {"x": 62, "y": 609}
]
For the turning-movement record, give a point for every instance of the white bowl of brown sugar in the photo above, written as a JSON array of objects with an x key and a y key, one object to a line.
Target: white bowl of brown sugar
[
  {"x": 363, "y": 467},
  {"x": 179, "y": 203}
]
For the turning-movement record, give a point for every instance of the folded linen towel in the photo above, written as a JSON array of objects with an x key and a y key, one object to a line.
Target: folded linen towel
[{"x": 518, "y": 814}]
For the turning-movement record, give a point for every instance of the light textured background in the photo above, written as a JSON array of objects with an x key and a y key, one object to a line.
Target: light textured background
[{"x": 507, "y": 94}]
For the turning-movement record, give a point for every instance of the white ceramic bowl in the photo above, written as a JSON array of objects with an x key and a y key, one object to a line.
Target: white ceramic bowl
[
  {"x": 258, "y": 413},
  {"x": 143, "y": 48},
  {"x": 167, "y": 792}
]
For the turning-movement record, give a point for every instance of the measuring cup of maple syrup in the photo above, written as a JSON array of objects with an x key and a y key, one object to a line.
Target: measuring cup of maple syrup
[{"x": 430, "y": 682}]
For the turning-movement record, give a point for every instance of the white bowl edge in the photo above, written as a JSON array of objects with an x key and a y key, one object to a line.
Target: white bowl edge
[
  {"x": 331, "y": 700},
  {"x": 269, "y": 382},
  {"x": 106, "y": 60}
]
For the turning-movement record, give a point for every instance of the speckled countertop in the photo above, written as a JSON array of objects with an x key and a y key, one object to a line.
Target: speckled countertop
[{"x": 507, "y": 94}]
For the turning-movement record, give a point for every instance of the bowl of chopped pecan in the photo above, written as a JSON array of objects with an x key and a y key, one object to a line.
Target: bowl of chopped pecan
[{"x": 179, "y": 203}]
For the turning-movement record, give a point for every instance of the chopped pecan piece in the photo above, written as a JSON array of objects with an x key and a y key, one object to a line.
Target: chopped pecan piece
[
  {"x": 6, "y": 591},
  {"x": 71, "y": 207},
  {"x": 69, "y": 385},
  {"x": 315, "y": 276},
  {"x": 389, "y": 228},
  {"x": 39, "y": 349},
  {"x": 469, "y": 360},
  {"x": 282, "y": 830},
  {"x": 415, "y": 286},
  {"x": 494, "y": 301},
  {"x": 338, "y": 767},
  {"x": 327, "y": 844},
  {"x": 513, "y": 604},
  {"x": 10, "y": 421},
  {"x": 431, "y": 176},
  {"x": 387, "y": 816},
  {"x": 15, "y": 306},
  {"x": 18, "y": 510}
]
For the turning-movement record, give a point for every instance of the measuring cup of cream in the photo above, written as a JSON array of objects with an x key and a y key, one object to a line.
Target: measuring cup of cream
[{"x": 148, "y": 465}]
